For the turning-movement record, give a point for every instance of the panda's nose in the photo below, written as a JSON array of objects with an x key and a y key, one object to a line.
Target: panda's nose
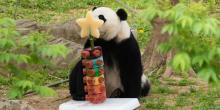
[{"x": 101, "y": 17}]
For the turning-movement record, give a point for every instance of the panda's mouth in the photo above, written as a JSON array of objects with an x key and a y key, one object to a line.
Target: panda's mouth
[{"x": 103, "y": 34}]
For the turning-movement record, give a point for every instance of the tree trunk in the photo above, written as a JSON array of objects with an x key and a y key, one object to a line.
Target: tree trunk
[{"x": 151, "y": 57}]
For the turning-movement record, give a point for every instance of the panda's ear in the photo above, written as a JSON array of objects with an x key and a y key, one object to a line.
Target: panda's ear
[
  {"x": 122, "y": 14},
  {"x": 94, "y": 8}
]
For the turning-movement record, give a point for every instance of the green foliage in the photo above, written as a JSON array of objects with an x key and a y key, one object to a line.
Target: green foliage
[
  {"x": 3, "y": 80},
  {"x": 44, "y": 91},
  {"x": 32, "y": 50},
  {"x": 23, "y": 86},
  {"x": 194, "y": 36},
  {"x": 181, "y": 62}
]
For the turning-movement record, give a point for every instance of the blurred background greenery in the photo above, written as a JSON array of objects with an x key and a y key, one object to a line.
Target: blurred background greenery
[{"x": 192, "y": 26}]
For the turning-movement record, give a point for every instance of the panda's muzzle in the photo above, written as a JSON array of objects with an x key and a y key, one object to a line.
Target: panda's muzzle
[{"x": 101, "y": 17}]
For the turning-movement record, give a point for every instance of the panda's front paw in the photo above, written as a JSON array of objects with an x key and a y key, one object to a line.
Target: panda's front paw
[{"x": 78, "y": 97}]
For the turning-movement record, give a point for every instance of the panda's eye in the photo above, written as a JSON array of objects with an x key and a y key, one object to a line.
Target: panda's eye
[{"x": 102, "y": 18}]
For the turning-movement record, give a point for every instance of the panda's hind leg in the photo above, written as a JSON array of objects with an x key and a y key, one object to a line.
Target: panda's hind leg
[
  {"x": 76, "y": 85},
  {"x": 145, "y": 86}
]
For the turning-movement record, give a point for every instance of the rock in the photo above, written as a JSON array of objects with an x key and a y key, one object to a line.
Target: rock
[
  {"x": 14, "y": 105},
  {"x": 72, "y": 57},
  {"x": 25, "y": 26},
  {"x": 68, "y": 30},
  {"x": 67, "y": 33}
]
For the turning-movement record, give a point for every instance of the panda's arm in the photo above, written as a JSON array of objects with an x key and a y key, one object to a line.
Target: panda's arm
[
  {"x": 130, "y": 68},
  {"x": 76, "y": 85}
]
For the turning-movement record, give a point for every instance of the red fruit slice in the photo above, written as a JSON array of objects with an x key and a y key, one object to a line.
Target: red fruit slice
[
  {"x": 96, "y": 53},
  {"x": 101, "y": 80},
  {"x": 85, "y": 54},
  {"x": 91, "y": 72},
  {"x": 84, "y": 79},
  {"x": 88, "y": 64},
  {"x": 101, "y": 71},
  {"x": 85, "y": 89},
  {"x": 99, "y": 62},
  {"x": 102, "y": 88},
  {"x": 84, "y": 62},
  {"x": 84, "y": 71}
]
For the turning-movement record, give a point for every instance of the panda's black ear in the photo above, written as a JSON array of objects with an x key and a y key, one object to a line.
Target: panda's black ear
[
  {"x": 122, "y": 14},
  {"x": 94, "y": 8}
]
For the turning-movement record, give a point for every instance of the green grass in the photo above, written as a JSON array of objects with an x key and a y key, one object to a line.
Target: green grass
[
  {"x": 182, "y": 101},
  {"x": 58, "y": 11},
  {"x": 163, "y": 89},
  {"x": 185, "y": 82},
  {"x": 156, "y": 103},
  {"x": 170, "y": 97}
]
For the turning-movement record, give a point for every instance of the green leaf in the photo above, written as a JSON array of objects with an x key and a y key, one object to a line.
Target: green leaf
[
  {"x": 151, "y": 12},
  {"x": 197, "y": 27},
  {"x": 6, "y": 57},
  {"x": 44, "y": 91},
  {"x": 25, "y": 85},
  {"x": 14, "y": 93},
  {"x": 199, "y": 59},
  {"x": 23, "y": 58},
  {"x": 7, "y": 22},
  {"x": 185, "y": 21},
  {"x": 208, "y": 74},
  {"x": 218, "y": 51},
  {"x": 181, "y": 62},
  {"x": 170, "y": 28},
  {"x": 54, "y": 50},
  {"x": 164, "y": 47},
  {"x": 6, "y": 43}
]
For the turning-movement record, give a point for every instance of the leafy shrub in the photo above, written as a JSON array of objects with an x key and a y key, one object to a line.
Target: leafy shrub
[
  {"x": 194, "y": 36},
  {"x": 34, "y": 51}
]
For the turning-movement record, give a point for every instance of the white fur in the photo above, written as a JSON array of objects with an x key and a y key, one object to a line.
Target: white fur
[
  {"x": 124, "y": 33},
  {"x": 112, "y": 79},
  {"x": 143, "y": 80},
  {"x": 113, "y": 27}
]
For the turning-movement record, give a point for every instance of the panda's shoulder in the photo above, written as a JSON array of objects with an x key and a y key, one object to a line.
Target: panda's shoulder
[{"x": 130, "y": 41}]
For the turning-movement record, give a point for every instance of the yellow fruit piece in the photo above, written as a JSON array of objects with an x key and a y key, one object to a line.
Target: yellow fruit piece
[{"x": 89, "y": 25}]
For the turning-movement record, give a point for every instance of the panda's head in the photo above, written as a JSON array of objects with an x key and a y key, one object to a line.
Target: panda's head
[{"x": 115, "y": 23}]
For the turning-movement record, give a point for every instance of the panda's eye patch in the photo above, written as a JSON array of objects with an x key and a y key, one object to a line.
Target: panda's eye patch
[{"x": 102, "y": 18}]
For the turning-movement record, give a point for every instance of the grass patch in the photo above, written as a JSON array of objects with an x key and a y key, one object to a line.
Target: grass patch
[
  {"x": 185, "y": 82},
  {"x": 182, "y": 101},
  {"x": 156, "y": 103},
  {"x": 163, "y": 89}
]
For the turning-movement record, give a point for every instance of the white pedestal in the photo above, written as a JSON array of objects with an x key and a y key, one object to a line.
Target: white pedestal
[{"x": 109, "y": 104}]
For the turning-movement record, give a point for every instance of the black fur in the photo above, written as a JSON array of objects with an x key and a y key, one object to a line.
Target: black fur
[
  {"x": 122, "y": 14},
  {"x": 76, "y": 85},
  {"x": 94, "y": 8},
  {"x": 101, "y": 17},
  {"x": 128, "y": 57},
  {"x": 146, "y": 89}
]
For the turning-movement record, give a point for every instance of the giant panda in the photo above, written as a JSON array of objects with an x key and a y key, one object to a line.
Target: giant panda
[{"x": 124, "y": 76}]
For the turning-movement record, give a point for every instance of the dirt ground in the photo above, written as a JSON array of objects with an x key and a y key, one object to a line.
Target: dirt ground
[
  {"x": 48, "y": 103},
  {"x": 52, "y": 103}
]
